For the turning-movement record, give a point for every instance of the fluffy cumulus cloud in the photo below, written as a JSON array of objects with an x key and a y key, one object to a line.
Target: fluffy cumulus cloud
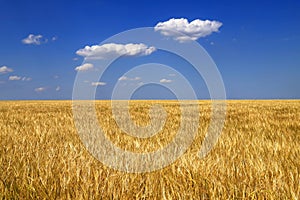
[
  {"x": 98, "y": 83},
  {"x": 182, "y": 30},
  {"x": 19, "y": 78},
  {"x": 111, "y": 49},
  {"x": 165, "y": 80},
  {"x": 5, "y": 69},
  {"x": 125, "y": 78},
  {"x": 84, "y": 67},
  {"x": 40, "y": 89},
  {"x": 34, "y": 39}
]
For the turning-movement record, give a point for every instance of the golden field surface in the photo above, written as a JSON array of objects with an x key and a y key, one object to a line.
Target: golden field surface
[{"x": 257, "y": 155}]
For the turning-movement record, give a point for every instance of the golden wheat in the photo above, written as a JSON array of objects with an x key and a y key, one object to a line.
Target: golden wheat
[{"x": 256, "y": 157}]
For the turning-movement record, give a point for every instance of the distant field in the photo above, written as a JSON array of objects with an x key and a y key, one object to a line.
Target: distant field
[{"x": 256, "y": 157}]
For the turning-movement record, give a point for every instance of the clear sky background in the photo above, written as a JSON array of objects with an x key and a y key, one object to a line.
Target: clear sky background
[{"x": 256, "y": 49}]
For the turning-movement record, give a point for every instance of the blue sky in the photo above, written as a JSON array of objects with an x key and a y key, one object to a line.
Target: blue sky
[{"x": 256, "y": 48}]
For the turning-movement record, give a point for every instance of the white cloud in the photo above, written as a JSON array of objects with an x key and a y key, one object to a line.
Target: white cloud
[
  {"x": 57, "y": 88},
  {"x": 5, "y": 69},
  {"x": 84, "y": 67},
  {"x": 125, "y": 78},
  {"x": 54, "y": 38},
  {"x": 165, "y": 80},
  {"x": 111, "y": 49},
  {"x": 182, "y": 30},
  {"x": 26, "y": 79},
  {"x": 14, "y": 78},
  {"x": 18, "y": 78},
  {"x": 40, "y": 89},
  {"x": 140, "y": 84},
  {"x": 136, "y": 78},
  {"x": 172, "y": 74},
  {"x": 34, "y": 39},
  {"x": 98, "y": 83}
]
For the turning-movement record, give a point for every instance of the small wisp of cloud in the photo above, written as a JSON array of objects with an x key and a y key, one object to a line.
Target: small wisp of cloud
[
  {"x": 140, "y": 83},
  {"x": 54, "y": 38},
  {"x": 57, "y": 88},
  {"x": 34, "y": 39},
  {"x": 125, "y": 78},
  {"x": 40, "y": 89},
  {"x": 14, "y": 78},
  {"x": 37, "y": 39},
  {"x": 26, "y": 79},
  {"x": 84, "y": 67},
  {"x": 5, "y": 69},
  {"x": 165, "y": 80},
  {"x": 19, "y": 78},
  {"x": 98, "y": 83}
]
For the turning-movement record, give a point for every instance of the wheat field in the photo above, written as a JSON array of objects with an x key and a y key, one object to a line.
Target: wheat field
[{"x": 256, "y": 157}]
